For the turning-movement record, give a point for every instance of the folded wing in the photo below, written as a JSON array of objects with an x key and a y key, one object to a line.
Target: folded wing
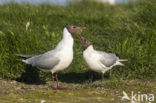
[
  {"x": 107, "y": 59},
  {"x": 45, "y": 61}
]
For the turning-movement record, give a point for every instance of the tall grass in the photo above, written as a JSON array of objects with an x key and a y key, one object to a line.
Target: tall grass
[{"x": 126, "y": 29}]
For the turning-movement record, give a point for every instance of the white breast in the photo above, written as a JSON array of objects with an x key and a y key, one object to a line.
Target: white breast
[
  {"x": 65, "y": 52},
  {"x": 92, "y": 59},
  {"x": 66, "y": 58}
]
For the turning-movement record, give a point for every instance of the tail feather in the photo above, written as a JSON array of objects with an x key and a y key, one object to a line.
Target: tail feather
[
  {"x": 121, "y": 60},
  {"x": 119, "y": 63},
  {"x": 25, "y": 61},
  {"x": 23, "y": 56}
]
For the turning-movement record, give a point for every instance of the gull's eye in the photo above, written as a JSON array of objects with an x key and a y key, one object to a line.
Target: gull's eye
[{"x": 74, "y": 27}]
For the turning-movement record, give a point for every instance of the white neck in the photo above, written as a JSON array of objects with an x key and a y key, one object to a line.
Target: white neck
[
  {"x": 67, "y": 40},
  {"x": 90, "y": 48},
  {"x": 66, "y": 34}
]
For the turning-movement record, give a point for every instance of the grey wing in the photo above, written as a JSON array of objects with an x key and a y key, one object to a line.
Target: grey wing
[
  {"x": 108, "y": 59},
  {"x": 46, "y": 61}
]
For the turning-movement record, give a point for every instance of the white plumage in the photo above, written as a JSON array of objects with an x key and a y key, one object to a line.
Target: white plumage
[
  {"x": 99, "y": 61},
  {"x": 57, "y": 59}
]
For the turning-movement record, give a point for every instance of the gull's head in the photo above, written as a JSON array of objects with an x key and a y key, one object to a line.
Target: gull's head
[
  {"x": 85, "y": 43},
  {"x": 73, "y": 29}
]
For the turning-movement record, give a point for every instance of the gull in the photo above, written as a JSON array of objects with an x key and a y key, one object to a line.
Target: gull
[
  {"x": 98, "y": 61},
  {"x": 57, "y": 59}
]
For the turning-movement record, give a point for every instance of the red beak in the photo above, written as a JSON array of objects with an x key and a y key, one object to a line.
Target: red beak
[{"x": 83, "y": 28}]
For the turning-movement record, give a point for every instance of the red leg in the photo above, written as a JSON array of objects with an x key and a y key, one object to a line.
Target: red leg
[
  {"x": 53, "y": 77},
  {"x": 56, "y": 76},
  {"x": 58, "y": 87},
  {"x": 53, "y": 86}
]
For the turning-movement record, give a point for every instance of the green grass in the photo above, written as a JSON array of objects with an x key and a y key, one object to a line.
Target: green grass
[{"x": 126, "y": 29}]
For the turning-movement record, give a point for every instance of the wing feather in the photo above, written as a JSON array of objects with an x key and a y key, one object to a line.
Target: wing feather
[
  {"x": 45, "y": 61},
  {"x": 107, "y": 59}
]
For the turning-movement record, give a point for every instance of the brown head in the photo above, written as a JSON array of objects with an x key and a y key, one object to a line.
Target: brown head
[
  {"x": 72, "y": 29},
  {"x": 85, "y": 43}
]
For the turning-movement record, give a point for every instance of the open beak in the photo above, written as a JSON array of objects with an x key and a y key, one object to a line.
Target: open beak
[{"x": 81, "y": 38}]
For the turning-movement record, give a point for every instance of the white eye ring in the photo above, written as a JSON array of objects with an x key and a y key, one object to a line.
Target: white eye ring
[{"x": 73, "y": 27}]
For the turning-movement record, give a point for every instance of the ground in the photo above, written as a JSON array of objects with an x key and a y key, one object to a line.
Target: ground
[{"x": 17, "y": 92}]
